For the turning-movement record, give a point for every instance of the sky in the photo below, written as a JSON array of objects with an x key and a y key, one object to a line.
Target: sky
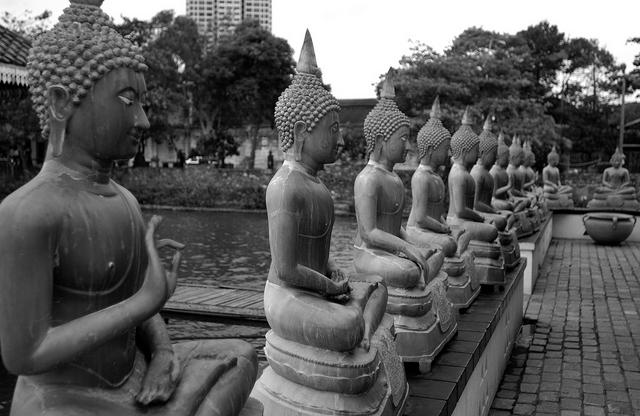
[{"x": 358, "y": 40}]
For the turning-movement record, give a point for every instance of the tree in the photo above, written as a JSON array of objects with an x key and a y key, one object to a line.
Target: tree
[
  {"x": 242, "y": 78},
  {"x": 28, "y": 25}
]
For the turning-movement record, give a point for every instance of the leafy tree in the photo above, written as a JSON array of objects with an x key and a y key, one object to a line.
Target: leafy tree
[
  {"x": 242, "y": 78},
  {"x": 28, "y": 25}
]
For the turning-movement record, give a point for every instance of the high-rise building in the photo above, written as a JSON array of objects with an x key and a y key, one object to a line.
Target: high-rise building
[{"x": 217, "y": 18}]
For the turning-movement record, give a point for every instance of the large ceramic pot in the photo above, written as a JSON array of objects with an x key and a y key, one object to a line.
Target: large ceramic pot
[{"x": 608, "y": 227}]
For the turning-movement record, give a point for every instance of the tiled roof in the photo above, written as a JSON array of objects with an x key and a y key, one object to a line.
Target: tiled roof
[{"x": 13, "y": 47}]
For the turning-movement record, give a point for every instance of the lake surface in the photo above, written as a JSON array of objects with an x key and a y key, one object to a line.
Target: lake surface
[{"x": 224, "y": 248}]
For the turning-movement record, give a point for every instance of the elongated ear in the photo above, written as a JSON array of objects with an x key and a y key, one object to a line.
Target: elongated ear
[
  {"x": 300, "y": 134},
  {"x": 60, "y": 110}
]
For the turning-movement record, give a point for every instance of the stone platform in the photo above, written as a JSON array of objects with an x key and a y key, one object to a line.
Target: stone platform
[
  {"x": 583, "y": 354},
  {"x": 534, "y": 249},
  {"x": 465, "y": 376}
]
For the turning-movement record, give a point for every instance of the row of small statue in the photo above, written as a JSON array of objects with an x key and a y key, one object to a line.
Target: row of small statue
[{"x": 82, "y": 281}]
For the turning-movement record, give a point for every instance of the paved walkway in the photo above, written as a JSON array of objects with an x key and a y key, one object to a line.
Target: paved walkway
[{"x": 583, "y": 353}]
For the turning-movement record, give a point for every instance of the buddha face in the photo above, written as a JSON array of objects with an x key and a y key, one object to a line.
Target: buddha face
[
  {"x": 553, "y": 160},
  {"x": 396, "y": 145},
  {"x": 616, "y": 162},
  {"x": 470, "y": 157},
  {"x": 325, "y": 139},
  {"x": 108, "y": 121}
]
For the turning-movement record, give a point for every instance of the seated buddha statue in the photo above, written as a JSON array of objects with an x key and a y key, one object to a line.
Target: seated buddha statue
[
  {"x": 616, "y": 190},
  {"x": 530, "y": 176},
  {"x": 82, "y": 282},
  {"x": 426, "y": 225},
  {"x": 555, "y": 193},
  {"x": 330, "y": 348},
  {"x": 423, "y": 315},
  {"x": 482, "y": 230},
  {"x": 517, "y": 176},
  {"x": 504, "y": 220}
]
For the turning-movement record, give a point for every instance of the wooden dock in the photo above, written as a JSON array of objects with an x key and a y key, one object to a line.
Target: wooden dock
[{"x": 222, "y": 304}]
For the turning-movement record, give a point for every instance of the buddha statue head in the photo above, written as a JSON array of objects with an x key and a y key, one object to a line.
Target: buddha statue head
[
  {"x": 306, "y": 114},
  {"x": 386, "y": 128},
  {"x": 553, "y": 158},
  {"x": 434, "y": 139},
  {"x": 502, "y": 158},
  {"x": 83, "y": 68},
  {"x": 617, "y": 158},
  {"x": 516, "y": 153},
  {"x": 465, "y": 143},
  {"x": 529, "y": 156},
  {"x": 488, "y": 144}
]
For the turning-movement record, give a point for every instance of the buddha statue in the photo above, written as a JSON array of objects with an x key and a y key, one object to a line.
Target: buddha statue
[
  {"x": 489, "y": 263},
  {"x": 616, "y": 190},
  {"x": 530, "y": 176},
  {"x": 556, "y": 194},
  {"x": 424, "y": 318},
  {"x": 504, "y": 220},
  {"x": 517, "y": 177},
  {"x": 82, "y": 282},
  {"x": 427, "y": 225},
  {"x": 330, "y": 348}
]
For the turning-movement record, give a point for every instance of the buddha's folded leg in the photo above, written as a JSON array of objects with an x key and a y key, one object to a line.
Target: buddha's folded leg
[
  {"x": 308, "y": 318},
  {"x": 501, "y": 204},
  {"x": 481, "y": 231},
  {"x": 498, "y": 220},
  {"x": 565, "y": 189},
  {"x": 376, "y": 301},
  {"x": 511, "y": 219},
  {"x": 626, "y": 190},
  {"x": 396, "y": 271},
  {"x": 427, "y": 238}
]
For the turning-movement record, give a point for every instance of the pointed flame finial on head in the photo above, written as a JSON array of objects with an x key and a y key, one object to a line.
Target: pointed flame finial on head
[
  {"x": 466, "y": 118},
  {"x": 488, "y": 123},
  {"x": 435, "y": 109},
  {"x": 307, "y": 63},
  {"x": 388, "y": 86},
  {"x": 501, "y": 139}
]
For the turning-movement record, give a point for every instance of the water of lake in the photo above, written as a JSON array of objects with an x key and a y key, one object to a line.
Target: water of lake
[{"x": 233, "y": 248}]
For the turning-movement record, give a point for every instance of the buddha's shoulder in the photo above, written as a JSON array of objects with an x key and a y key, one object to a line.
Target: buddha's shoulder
[{"x": 39, "y": 202}]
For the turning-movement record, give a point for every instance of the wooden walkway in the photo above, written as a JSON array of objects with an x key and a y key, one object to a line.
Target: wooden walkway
[{"x": 222, "y": 304}]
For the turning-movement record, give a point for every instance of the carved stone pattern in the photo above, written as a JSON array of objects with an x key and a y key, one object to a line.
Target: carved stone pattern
[
  {"x": 443, "y": 306},
  {"x": 394, "y": 368}
]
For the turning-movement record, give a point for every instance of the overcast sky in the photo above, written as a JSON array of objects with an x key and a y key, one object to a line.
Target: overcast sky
[{"x": 357, "y": 40}]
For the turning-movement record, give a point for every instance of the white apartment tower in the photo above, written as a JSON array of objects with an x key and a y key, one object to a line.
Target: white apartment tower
[{"x": 217, "y": 18}]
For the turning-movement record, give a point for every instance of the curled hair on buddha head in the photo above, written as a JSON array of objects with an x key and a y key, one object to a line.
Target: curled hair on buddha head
[
  {"x": 488, "y": 140},
  {"x": 432, "y": 134},
  {"x": 617, "y": 155},
  {"x": 503, "y": 149},
  {"x": 515, "y": 150},
  {"x": 306, "y": 99},
  {"x": 464, "y": 139},
  {"x": 77, "y": 52},
  {"x": 385, "y": 118}
]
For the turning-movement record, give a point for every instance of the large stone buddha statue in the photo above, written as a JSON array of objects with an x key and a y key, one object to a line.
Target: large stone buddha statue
[
  {"x": 503, "y": 220},
  {"x": 423, "y": 315},
  {"x": 330, "y": 348},
  {"x": 489, "y": 262},
  {"x": 616, "y": 190},
  {"x": 556, "y": 194},
  {"x": 81, "y": 282},
  {"x": 427, "y": 225}
]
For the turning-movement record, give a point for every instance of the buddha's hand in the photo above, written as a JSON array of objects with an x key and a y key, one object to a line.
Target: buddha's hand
[
  {"x": 161, "y": 378},
  {"x": 418, "y": 255},
  {"x": 338, "y": 283},
  {"x": 157, "y": 282}
]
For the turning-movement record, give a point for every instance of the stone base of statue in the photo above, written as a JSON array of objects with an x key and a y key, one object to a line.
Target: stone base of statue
[
  {"x": 489, "y": 263},
  {"x": 462, "y": 281},
  {"x": 510, "y": 249},
  {"x": 614, "y": 202},
  {"x": 305, "y": 380},
  {"x": 561, "y": 201},
  {"x": 424, "y": 319}
]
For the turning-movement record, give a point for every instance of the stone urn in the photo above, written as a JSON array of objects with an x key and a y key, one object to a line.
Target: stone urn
[{"x": 608, "y": 228}]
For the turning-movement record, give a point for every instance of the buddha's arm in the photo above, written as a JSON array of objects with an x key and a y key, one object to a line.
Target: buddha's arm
[
  {"x": 478, "y": 204},
  {"x": 30, "y": 342},
  {"x": 459, "y": 203},
  {"x": 546, "y": 179},
  {"x": 420, "y": 203},
  {"x": 529, "y": 185},
  {"x": 482, "y": 207},
  {"x": 605, "y": 179},
  {"x": 283, "y": 240},
  {"x": 626, "y": 179},
  {"x": 499, "y": 191}
]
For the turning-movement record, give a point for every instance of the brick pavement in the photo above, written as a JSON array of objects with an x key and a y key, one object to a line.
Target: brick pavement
[{"x": 583, "y": 354}]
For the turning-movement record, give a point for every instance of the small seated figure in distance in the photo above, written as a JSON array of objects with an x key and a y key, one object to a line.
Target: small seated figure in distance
[
  {"x": 502, "y": 199},
  {"x": 81, "y": 282},
  {"x": 616, "y": 190},
  {"x": 556, "y": 194}
]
